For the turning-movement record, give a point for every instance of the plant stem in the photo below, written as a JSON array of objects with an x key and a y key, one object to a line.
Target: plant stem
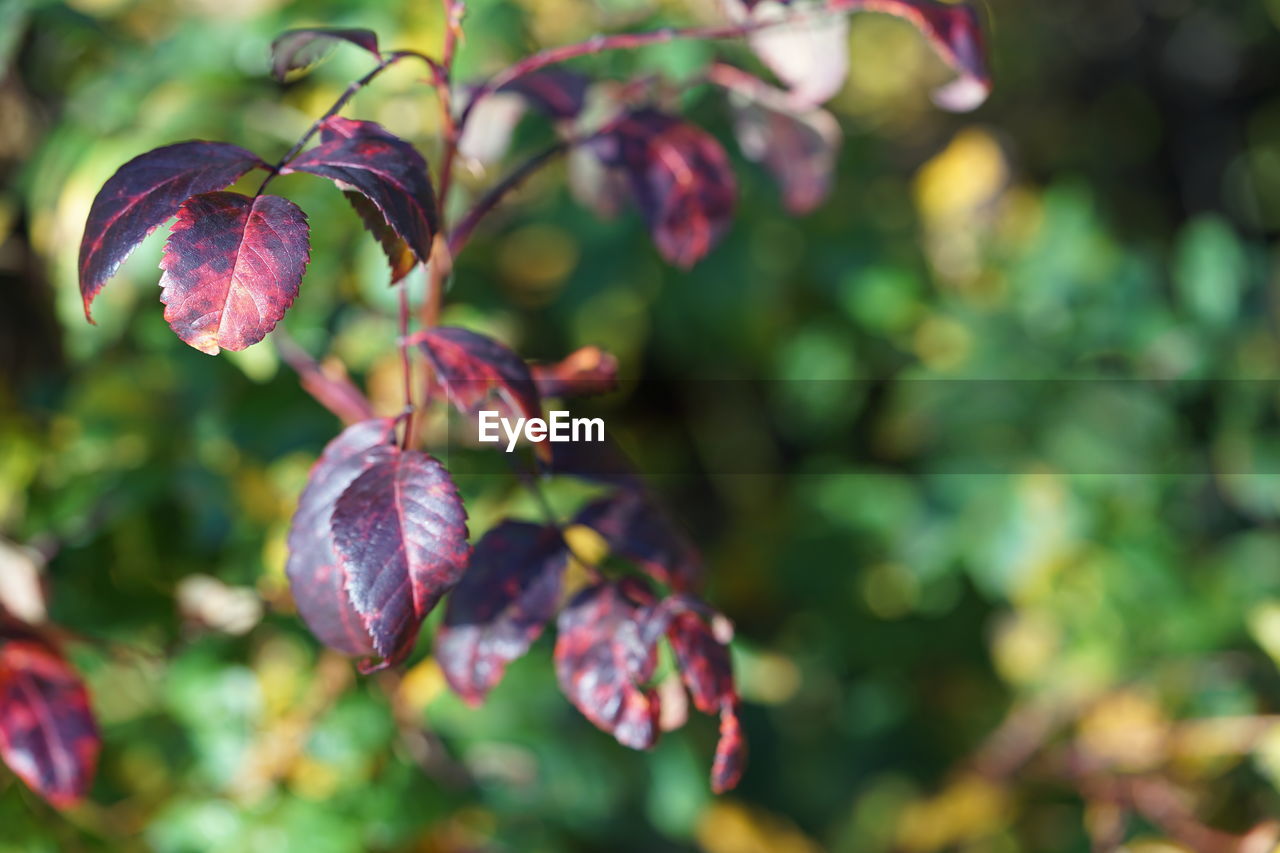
[
  {"x": 406, "y": 367},
  {"x": 454, "y": 10},
  {"x": 462, "y": 232},
  {"x": 347, "y": 94},
  {"x": 619, "y": 41}
]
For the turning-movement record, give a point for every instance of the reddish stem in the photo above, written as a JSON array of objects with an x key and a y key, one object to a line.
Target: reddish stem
[
  {"x": 406, "y": 367},
  {"x": 461, "y": 233},
  {"x": 347, "y": 94}
]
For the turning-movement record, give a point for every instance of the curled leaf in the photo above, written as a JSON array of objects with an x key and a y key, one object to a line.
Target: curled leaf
[
  {"x": 299, "y": 50},
  {"x": 232, "y": 267},
  {"x": 142, "y": 194},
  {"x": 316, "y": 578},
  {"x": 48, "y": 736},
  {"x": 501, "y": 604},
  {"x": 400, "y": 533},
  {"x": 362, "y": 157}
]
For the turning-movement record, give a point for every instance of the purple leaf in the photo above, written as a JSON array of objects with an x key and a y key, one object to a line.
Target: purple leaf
[
  {"x": 680, "y": 178},
  {"x": 476, "y": 371},
  {"x": 48, "y": 736},
  {"x": 232, "y": 267},
  {"x": 315, "y": 576},
  {"x": 361, "y": 156},
  {"x": 400, "y": 533},
  {"x": 954, "y": 32},
  {"x": 638, "y": 530},
  {"x": 583, "y": 372},
  {"x": 501, "y": 605},
  {"x": 142, "y": 194},
  {"x": 603, "y": 659},
  {"x": 294, "y": 50},
  {"x": 798, "y": 146},
  {"x": 558, "y": 92}
]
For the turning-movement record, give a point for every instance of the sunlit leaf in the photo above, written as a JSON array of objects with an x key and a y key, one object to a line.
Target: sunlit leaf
[
  {"x": 363, "y": 157},
  {"x": 232, "y": 267},
  {"x": 604, "y": 657},
  {"x": 145, "y": 192},
  {"x": 48, "y": 736}
]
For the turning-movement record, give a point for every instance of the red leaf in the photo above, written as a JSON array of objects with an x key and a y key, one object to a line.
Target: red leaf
[
  {"x": 316, "y": 579},
  {"x": 48, "y": 736},
  {"x": 680, "y": 178},
  {"x": 583, "y": 372},
  {"x": 364, "y": 157},
  {"x": 501, "y": 605},
  {"x": 731, "y": 751},
  {"x": 400, "y": 533},
  {"x": 294, "y": 50},
  {"x": 704, "y": 661},
  {"x": 954, "y": 32},
  {"x": 639, "y": 530},
  {"x": 604, "y": 655},
  {"x": 145, "y": 192},
  {"x": 232, "y": 267},
  {"x": 474, "y": 369},
  {"x": 798, "y": 146}
]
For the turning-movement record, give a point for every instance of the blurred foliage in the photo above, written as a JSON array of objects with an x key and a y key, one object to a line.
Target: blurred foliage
[{"x": 997, "y": 516}]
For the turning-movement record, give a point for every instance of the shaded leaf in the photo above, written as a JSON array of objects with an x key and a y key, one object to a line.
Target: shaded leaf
[
  {"x": 400, "y": 533},
  {"x": 501, "y": 605},
  {"x": 558, "y": 92},
  {"x": 48, "y": 736},
  {"x": 583, "y": 372},
  {"x": 680, "y": 178},
  {"x": 315, "y": 577},
  {"x": 597, "y": 461},
  {"x": 232, "y": 267},
  {"x": 399, "y": 255},
  {"x": 637, "y": 529},
  {"x": 363, "y": 157},
  {"x": 142, "y": 194},
  {"x": 604, "y": 657},
  {"x": 296, "y": 50},
  {"x": 799, "y": 147},
  {"x": 476, "y": 371}
]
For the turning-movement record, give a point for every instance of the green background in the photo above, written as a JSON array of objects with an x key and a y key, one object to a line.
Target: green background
[{"x": 982, "y": 454}]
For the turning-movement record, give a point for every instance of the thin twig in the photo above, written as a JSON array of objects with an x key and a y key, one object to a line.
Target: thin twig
[{"x": 462, "y": 232}]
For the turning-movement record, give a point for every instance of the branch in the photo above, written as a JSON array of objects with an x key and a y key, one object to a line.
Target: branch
[
  {"x": 331, "y": 388},
  {"x": 462, "y": 232}
]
